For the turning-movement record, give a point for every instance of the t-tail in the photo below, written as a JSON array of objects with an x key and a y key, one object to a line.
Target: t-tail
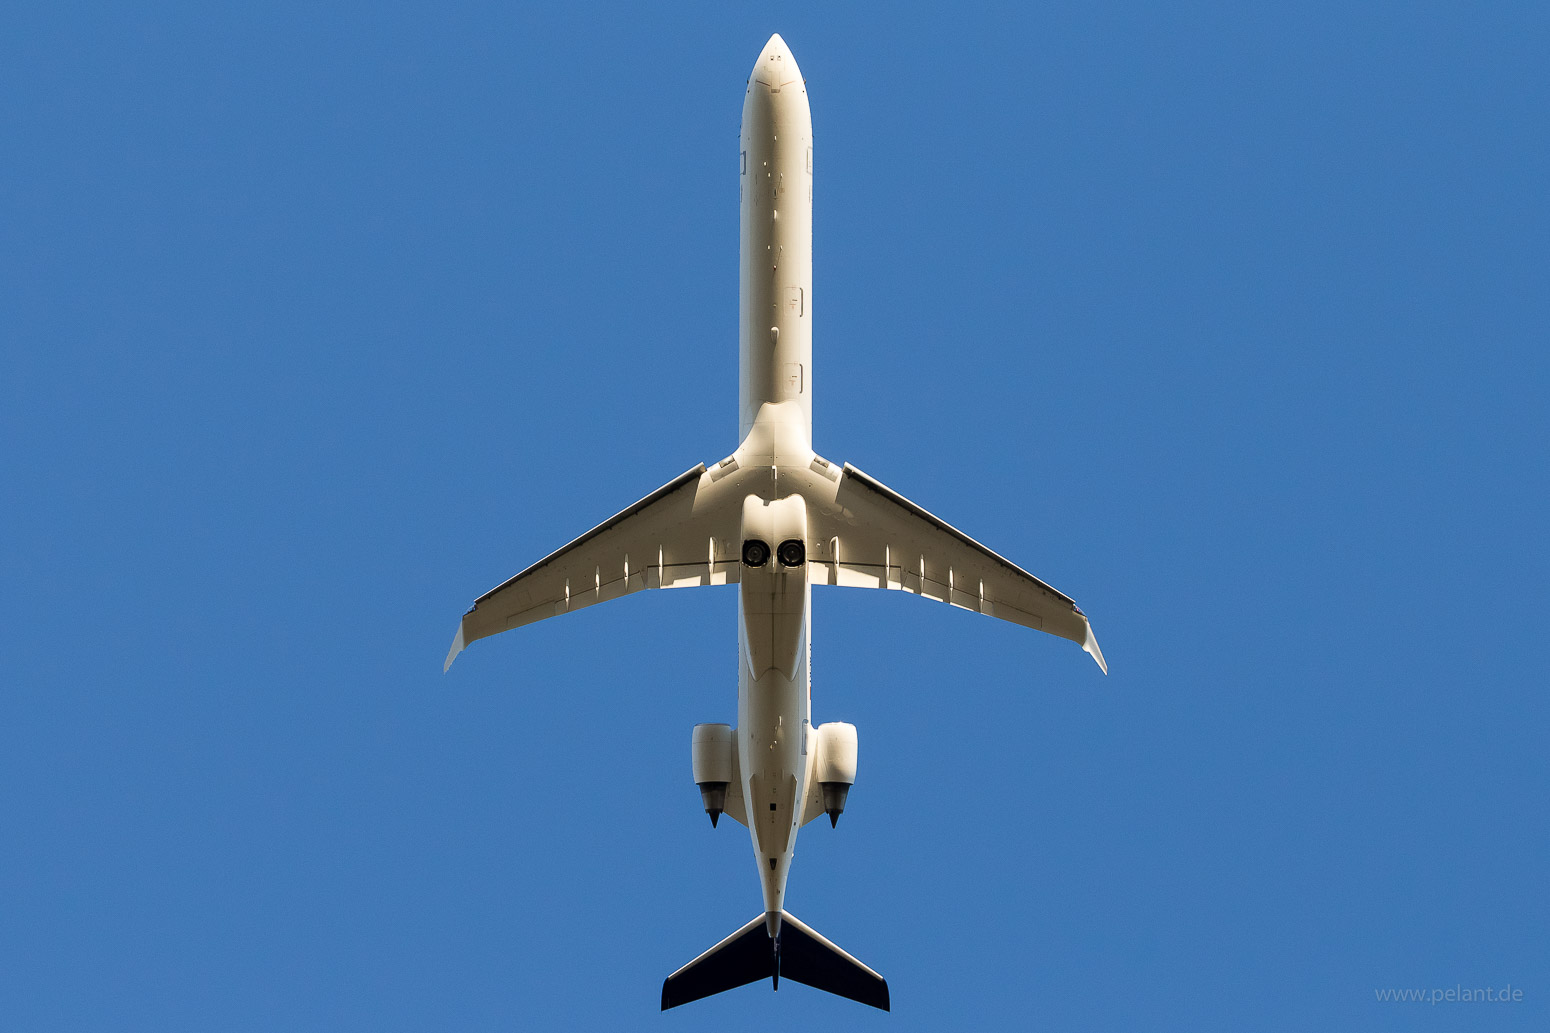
[{"x": 795, "y": 951}]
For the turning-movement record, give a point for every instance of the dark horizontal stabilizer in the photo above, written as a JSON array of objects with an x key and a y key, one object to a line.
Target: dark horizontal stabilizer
[
  {"x": 747, "y": 957},
  {"x": 806, "y": 957},
  {"x": 742, "y": 958}
]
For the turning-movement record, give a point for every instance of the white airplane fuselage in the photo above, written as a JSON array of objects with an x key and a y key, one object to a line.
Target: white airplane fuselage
[{"x": 775, "y": 425}]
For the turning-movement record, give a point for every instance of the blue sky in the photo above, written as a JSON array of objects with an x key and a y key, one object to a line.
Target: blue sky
[{"x": 319, "y": 320}]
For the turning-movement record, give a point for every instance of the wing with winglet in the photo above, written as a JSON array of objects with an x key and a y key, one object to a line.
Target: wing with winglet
[
  {"x": 876, "y": 538},
  {"x": 680, "y": 535}
]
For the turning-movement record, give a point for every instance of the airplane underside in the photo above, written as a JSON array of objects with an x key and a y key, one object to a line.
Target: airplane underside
[{"x": 775, "y": 519}]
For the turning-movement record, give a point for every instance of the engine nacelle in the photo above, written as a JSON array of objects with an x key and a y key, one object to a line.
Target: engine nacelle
[
  {"x": 834, "y": 766},
  {"x": 714, "y": 756}
]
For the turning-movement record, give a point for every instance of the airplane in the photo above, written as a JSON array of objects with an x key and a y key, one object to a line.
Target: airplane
[{"x": 775, "y": 519}]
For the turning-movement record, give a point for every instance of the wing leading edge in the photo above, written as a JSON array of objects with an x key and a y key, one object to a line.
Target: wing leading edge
[{"x": 877, "y": 538}]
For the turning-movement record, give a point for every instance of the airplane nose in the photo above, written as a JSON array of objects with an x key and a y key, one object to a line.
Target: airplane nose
[{"x": 776, "y": 67}]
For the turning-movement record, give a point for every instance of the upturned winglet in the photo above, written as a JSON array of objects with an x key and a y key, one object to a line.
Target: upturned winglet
[
  {"x": 1090, "y": 645},
  {"x": 457, "y": 647}
]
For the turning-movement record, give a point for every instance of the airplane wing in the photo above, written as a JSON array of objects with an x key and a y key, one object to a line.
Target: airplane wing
[
  {"x": 679, "y": 535},
  {"x": 877, "y": 538}
]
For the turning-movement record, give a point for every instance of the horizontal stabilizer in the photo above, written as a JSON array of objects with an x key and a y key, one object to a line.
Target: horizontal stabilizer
[
  {"x": 807, "y": 957},
  {"x": 804, "y": 956},
  {"x": 742, "y": 958}
]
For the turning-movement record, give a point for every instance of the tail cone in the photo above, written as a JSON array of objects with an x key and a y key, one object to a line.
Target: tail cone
[{"x": 772, "y": 922}]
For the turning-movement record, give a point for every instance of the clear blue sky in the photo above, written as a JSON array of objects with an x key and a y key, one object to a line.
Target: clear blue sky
[{"x": 317, "y": 321}]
